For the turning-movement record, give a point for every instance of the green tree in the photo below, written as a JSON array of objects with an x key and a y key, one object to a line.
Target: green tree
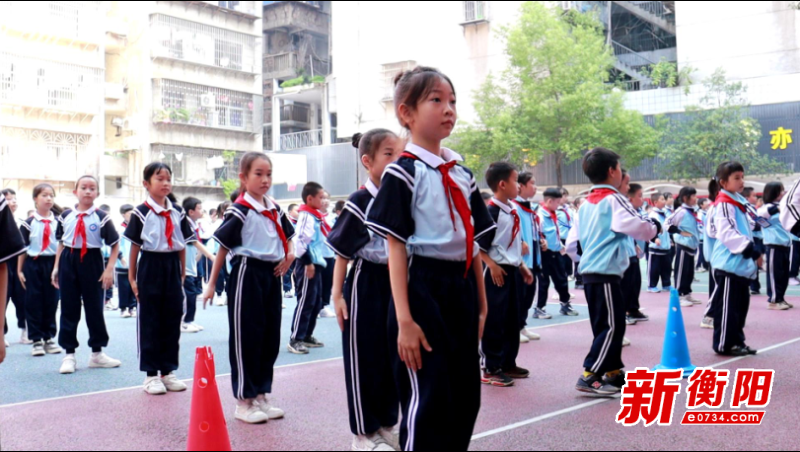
[
  {"x": 555, "y": 97},
  {"x": 717, "y": 130}
]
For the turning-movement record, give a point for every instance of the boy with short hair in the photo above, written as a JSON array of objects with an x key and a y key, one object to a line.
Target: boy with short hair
[
  {"x": 552, "y": 263},
  {"x": 660, "y": 264},
  {"x": 532, "y": 246},
  {"x": 603, "y": 226}
]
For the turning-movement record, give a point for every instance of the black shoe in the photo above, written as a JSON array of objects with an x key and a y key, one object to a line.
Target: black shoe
[
  {"x": 298, "y": 348},
  {"x": 616, "y": 382},
  {"x": 750, "y": 351},
  {"x": 517, "y": 373},
  {"x": 595, "y": 385},
  {"x": 312, "y": 342},
  {"x": 578, "y": 286},
  {"x": 638, "y": 316},
  {"x": 755, "y": 292},
  {"x": 497, "y": 379},
  {"x": 736, "y": 352}
]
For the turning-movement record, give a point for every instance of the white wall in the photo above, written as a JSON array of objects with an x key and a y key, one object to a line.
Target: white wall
[{"x": 367, "y": 35}]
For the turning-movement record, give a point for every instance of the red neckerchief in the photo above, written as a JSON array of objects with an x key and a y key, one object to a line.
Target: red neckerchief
[
  {"x": 273, "y": 216},
  {"x": 80, "y": 231},
  {"x": 46, "y": 238},
  {"x": 455, "y": 198},
  {"x": 124, "y": 225},
  {"x": 554, "y": 217},
  {"x": 167, "y": 215},
  {"x": 517, "y": 223},
  {"x": 326, "y": 229},
  {"x": 566, "y": 212},
  {"x": 600, "y": 194},
  {"x": 722, "y": 198},
  {"x": 530, "y": 212}
]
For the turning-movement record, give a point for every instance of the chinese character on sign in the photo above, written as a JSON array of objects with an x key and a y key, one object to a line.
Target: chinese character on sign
[
  {"x": 707, "y": 387},
  {"x": 753, "y": 388},
  {"x": 649, "y": 396},
  {"x": 781, "y": 138}
]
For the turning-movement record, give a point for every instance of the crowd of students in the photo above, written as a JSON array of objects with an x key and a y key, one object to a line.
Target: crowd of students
[{"x": 432, "y": 282}]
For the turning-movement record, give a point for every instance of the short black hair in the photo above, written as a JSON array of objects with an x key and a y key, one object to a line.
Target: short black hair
[
  {"x": 292, "y": 207},
  {"x": 235, "y": 195},
  {"x": 8, "y": 191},
  {"x": 564, "y": 191},
  {"x": 656, "y": 196},
  {"x": 486, "y": 196},
  {"x": 748, "y": 191},
  {"x": 311, "y": 189},
  {"x": 633, "y": 189},
  {"x": 598, "y": 162},
  {"x": 525, "y": 177},
  {"x": 153, "y": 169},
  {"x": 772, "y": 192},
  {"x": 212, "y": 212},
  {"x": 191, "y": 204},
  {"x": 553, "y": 193},
  {"x": 125, "y": 209},
  {"x": 339, "y": 206},
  {"x": 499, "y": 172},
  {"x": 703, "y": 201},
  {"x": 105, "y": 208}
]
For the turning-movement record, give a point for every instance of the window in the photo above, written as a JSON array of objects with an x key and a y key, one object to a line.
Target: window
[
  {"x": 475, "y": 11},
  {"x": 228, "y": 54},
  {"x": 388, "y": 74},
  {"x": 203, "y": 106}
]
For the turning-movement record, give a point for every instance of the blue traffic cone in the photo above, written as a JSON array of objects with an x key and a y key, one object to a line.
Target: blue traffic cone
[{"x": 676, "y": 349}]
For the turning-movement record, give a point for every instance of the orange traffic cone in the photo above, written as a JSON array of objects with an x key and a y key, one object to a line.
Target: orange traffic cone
[{"x": 208, "y": 430}]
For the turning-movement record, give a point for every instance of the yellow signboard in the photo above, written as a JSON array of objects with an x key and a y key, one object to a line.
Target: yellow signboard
[{"x": 781, "y": 138}]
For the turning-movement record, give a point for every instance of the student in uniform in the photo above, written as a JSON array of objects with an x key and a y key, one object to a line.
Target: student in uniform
[
  {"x": 632, "y": 279},
  {"x": 11, "y": 246},
  {"x": 735, "y": 262},
  {"x": 751, "y": 196},
  {"x": 778, "y": 242},
  {"x": 363, "y": 301},
  {"x": 127, "y": 300},
  {"x": 15, "y": 291},
  {"x": 330, "y": 262},
  {"x": 564, "y": 225},
  {"x": 159, "y": 232},
  {"x": 659, "y": 263},
  {"x": 193, "y": 285},
  {"x": 80, "y": 275},
  {"x": 552, "y": 263},
  {"x": 223, "y": 279},
  {"x": 790, "y": 218},
  {"x": 288, "y": 286},
  {"x": 312, "y": 230},
  {"x": 709, "y": 244},
  {"x": 603, "y": 227},
  {"x": 702, "y": 214},
  {"x": 682, "y": 225},
  {"x": 106, "y": 250},
  {"x": 258, "y": 236},
  {"x": 504, "y": 273},
  {"x": 431, "y": 211},
  {"x": 36, "y": 271},
  {"x": 532, "y": 245}
]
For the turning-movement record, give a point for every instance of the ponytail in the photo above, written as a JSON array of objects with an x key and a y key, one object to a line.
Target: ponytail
[{"x": 713, "y": 189}]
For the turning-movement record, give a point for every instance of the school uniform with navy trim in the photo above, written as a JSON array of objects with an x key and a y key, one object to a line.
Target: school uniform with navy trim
[
  {"x": 309, "y": 242},
  {"x": 632, "y": 278},
  {"x": 778, "y": 243},
  {"x": 604, "y": 226},
  {"x": 710, "y": 242},
  {"x": 758, "y": 239},
  {"x": 80, "y": 268},
  {"x": 500, "y": 344},
  {"x": 702, "y": 261},
  {"x": 11, "y": 246},
  {"x": 683, "y": 226},
  {"x": 532, "y": 235},
  {"x": 552, "y": 260},
  {"x": 257, "y": 234},
  {"x": 734, "y": 263},
  {"x": 192, "y": 285},
  {"x": 127, "y": 299},
  {"x": 372, "y": 398},
  {"x": 16, "y": 293},
  {"x": 659, "y": 265},
  {"x": 161, "y": 233},
  {"x": 433, "y": 205},
  {"x": 41, "y": 302},
  {"x": 564, "y": 226}
]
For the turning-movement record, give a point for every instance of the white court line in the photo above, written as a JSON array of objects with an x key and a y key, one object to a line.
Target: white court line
[
  {"x": 583, "y": 406},
  {"x": 112, "y": 391}
]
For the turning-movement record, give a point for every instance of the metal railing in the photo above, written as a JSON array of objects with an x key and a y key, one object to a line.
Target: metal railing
[
  {"x": 35, "y": 83},
  {"x": 306, "y": 139},
  {"x": 630, "y": 57},
  {"x": 202, "y": 106},
  {"x": 203, "y": 44},
  {"x": 246, "y": 7},
  {"x": 296, "y": 113},
  {"x": 71, "y": 20},
  {"x": 276, "y": 65},
  {"x": 657, "y": 9}
]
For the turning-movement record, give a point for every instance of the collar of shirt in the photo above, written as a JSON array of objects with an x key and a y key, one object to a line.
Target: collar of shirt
[
  {"x": 431, "y": 159},
  {"x": 371, "y": 188},
  {"x": 597, "y": 187},
  {"x": 158, "y": 208},
  {"x": 88, "y": 213},
  {"x": 41, "y": 218},
  {"x": 258, "y": 206},
  {"x": 504, "y": 207}
]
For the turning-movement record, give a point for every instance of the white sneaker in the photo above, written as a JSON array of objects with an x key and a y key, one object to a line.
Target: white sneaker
[
  {"x": 189, "y": 329},
  {"x": 327, "y": 313},
  {"x": 530, "y": 335},
  {"x": 707, "y": 323},
  {"x": 133, "y": 313},
  {"x": 693, "y": 300},
  {"x": 686, "y": 303},
  {"x": 289, "y": 294},
  {"x": 626, "y": 342},
  {"x": 7, "y": 344},
  {"x": 37, "y": 351},
  {"x": 523, "y": 339},
  {"x": 200, "y": 328},
  {"x": 125, "y": 314},
  {"x": 391, "y": 436},
  {"x": 103, "y": 361},
  {"x": 51, "y": 348},
  {"x": 23, "y": 339},
  {"x": 221, "y": 300},
  {"x": 69, "y": 365},
  {"x": 271, "y": 411},
  {"x": 250, "y": 413},
  {"x": 794, "y": 282},
  {"x": 172, "y": 383},
  {"x": 154, "y": 386},
  {"x": 372, "y": 443}
]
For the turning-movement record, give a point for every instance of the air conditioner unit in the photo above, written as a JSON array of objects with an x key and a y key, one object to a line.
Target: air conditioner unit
[{"x": 208, "y": 101}]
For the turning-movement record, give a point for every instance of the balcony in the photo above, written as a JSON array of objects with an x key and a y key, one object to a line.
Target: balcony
[
  {"x": 246, "y": 10},
  {"x": 293, "y": 17},
  {"x": 49, "y": 87},
  {"x": 306, "y": 139},
  {"x": 187, "y": 104},
  {"x": 475, "y": 12},
  {"x": 70, "y": 23},
  {"x": 286, "y": 65},
  {"x": 55, "y": 154},
  {"x": 204, "y": 45}
]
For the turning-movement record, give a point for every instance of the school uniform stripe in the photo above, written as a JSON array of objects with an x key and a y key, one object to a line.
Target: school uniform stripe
[
  {"x": 607, "y": 343},
  {"x": 354, "y": 369},
  {"x": 725, "y": 303},
  {"x": 412, "y": 410},
  {"x": 237, "y": 325},
  {"x": 338, "y": 253},
  {"x": 356, "y": 211},
  {"x": 299, "y": 311},
  {"x": 384, "y": 232}
]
